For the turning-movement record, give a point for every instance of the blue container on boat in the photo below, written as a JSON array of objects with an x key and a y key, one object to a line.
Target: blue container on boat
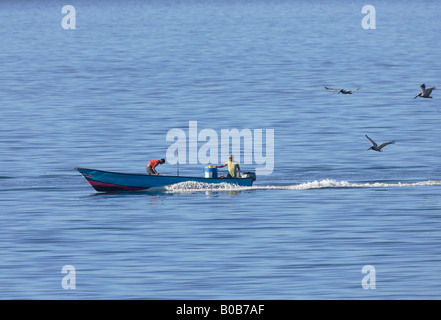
[{"x": 210, "y": 172}]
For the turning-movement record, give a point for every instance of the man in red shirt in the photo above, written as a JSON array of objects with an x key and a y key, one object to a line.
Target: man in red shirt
[{"x": 152, "y": 165}]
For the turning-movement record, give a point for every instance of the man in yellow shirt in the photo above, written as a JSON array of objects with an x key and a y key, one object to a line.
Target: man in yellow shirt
[{"x": 233, "y": 168}]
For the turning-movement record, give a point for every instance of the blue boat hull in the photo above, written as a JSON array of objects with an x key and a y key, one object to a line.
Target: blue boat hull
[{"x": 105, "y": 181}]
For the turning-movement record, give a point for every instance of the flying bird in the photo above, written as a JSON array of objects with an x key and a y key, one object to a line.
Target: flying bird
[
  {"x": 425, "y": 93},
  {"x": 378, "y": 147},
  {"x": 342, "y": 90}
]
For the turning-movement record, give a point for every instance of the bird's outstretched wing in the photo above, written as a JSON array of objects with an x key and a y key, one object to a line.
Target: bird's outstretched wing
[
  {"x": 372, "y": 141},
  {"x": 330, "y": 89},
  {"x": 429, "y": 91},
  {"x": 353, "y": 90},
  {"x": 423, "y": 88},
  {"x": 385, "y": 144}
]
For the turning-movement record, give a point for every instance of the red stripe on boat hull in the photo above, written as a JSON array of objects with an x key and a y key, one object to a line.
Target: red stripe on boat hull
[{"x": 106, "y": 187}]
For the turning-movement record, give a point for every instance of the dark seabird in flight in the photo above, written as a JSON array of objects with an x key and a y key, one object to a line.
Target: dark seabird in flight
[
  {"x": 342, "y": 90},
  {"x": 378, "y": 147},
  {"x": 425, "y": 93}
]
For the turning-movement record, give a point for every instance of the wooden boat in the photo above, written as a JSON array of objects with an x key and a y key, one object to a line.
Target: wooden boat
[{"x": 105, "y": 181}]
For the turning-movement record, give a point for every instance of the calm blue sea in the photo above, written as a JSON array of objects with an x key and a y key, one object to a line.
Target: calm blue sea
[{"x": 105, "y": 94}]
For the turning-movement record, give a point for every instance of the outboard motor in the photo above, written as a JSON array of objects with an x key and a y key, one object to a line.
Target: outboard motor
[{"x": 249, "y": 174}]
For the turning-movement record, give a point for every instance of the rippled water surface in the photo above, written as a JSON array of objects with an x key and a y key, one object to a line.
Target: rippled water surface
[{"x": 106, "y": 94}]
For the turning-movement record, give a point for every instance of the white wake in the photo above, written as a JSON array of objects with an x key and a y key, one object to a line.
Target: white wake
[{"x": 191, "y": 186}]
